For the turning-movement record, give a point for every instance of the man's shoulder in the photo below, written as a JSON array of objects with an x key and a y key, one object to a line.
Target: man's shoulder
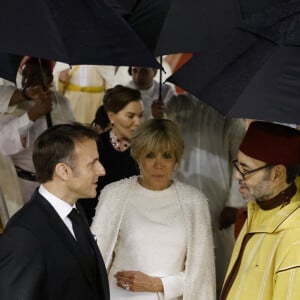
[{"x": 30, "y": 216}]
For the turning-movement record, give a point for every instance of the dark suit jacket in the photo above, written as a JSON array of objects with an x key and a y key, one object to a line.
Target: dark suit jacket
[{"x": 40, "y": 260}]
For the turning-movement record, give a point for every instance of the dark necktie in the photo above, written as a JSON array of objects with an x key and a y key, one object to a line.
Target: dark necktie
[{"x": 81, "y": 232}]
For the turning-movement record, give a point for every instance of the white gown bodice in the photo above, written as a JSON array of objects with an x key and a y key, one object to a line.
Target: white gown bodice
[{"x": 152, "y": 239}]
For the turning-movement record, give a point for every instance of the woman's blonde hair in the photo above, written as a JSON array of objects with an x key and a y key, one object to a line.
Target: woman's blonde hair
[{"x": 157, "y": 135}]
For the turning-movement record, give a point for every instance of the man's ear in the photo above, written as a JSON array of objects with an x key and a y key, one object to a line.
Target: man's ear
[
  {"x": 279, "y": 173},
  {"x": 63, "y": 171}
]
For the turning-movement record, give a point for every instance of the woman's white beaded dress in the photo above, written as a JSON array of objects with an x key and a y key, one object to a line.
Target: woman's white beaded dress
[{"x": 152, "y": 239}]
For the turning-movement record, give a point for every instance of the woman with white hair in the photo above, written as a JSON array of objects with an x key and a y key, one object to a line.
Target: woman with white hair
[{"x": 153, "y": 231}]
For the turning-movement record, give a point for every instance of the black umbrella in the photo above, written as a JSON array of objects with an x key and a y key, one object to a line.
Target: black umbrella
[
  {"x": 273, "y": 94},
  {"x": 71, "y": 31},
  {"x": 224, "y": 72},
  {"x": 178, "y": 26},
  {"x": 254, "y": 74},
  {"x": 189, "y": 23},
  {"x": 200, "y": 26},
  {"x": 146, "y": 18},
  {"x": 9, "y": 65}
]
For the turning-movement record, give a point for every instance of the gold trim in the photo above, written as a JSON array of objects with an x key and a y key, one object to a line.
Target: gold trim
[{"x": 86, "y": 89}]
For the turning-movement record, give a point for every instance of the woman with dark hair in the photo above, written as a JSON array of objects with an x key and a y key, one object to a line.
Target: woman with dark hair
[
  {"x": 101, "y": 122},
  {"x": 124, "y": 110}
]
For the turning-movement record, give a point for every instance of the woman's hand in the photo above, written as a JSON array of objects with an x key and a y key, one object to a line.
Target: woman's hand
[{"x": 136, "y": 281}]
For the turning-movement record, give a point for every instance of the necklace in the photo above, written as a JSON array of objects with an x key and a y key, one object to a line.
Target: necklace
[{"x": 119, "y": 144}]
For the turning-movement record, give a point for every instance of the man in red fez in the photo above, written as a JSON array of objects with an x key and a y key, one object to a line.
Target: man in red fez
[{"x": 265, "y": 263}]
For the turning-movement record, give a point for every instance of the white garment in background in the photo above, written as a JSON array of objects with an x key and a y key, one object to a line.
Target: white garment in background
[
  {"x": 18, "y": 133},
  {"x": 10, "y": 196},
  {"x": 152, "y": 94},
  {"x": 85, "y": 89},
  {"x": 7, "y": 88},
  {"x": 211, "y": 143},
  {"x": 136, "y": 228}
]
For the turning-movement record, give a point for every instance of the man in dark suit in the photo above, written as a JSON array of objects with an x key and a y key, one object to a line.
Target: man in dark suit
[{"x": 45, "y": 253}]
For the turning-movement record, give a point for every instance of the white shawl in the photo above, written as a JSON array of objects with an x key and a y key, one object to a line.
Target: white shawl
[{"x": 199, "y": 265}]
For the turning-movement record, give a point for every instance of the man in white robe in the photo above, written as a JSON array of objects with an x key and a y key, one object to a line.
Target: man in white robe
[
  {"x": 84, "y": 86},
  {"x": 143, "y": 80},
  {"x": 22, "y": 120}
]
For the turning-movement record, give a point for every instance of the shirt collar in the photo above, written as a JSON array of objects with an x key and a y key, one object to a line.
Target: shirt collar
[
  {"x": 148, "y": 91},
  {"x": 282, "y": 198},
  {"x": 61, "y": 207}
]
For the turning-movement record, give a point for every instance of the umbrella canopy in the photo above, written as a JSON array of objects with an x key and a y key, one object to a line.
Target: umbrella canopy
[
  {"x": 178, "y": 26},
  {"x": 146, "y": 18},
  {"x": 200, "y": 26},
  {"x": 9, "y": 65},
  {"x": 71, "y": 31},
  {"x": 189, "y": 23},
  {"x": 254, "y": 74},
  {"x": 273, "y": 94}
]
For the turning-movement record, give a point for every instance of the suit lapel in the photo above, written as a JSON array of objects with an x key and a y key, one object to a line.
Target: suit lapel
[
  {"x": 98, "y": 256},
  {"x": 63, "y": 233}
]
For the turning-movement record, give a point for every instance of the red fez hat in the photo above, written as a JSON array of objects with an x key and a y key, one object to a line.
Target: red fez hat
[{"x": 272, "y": 143}]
